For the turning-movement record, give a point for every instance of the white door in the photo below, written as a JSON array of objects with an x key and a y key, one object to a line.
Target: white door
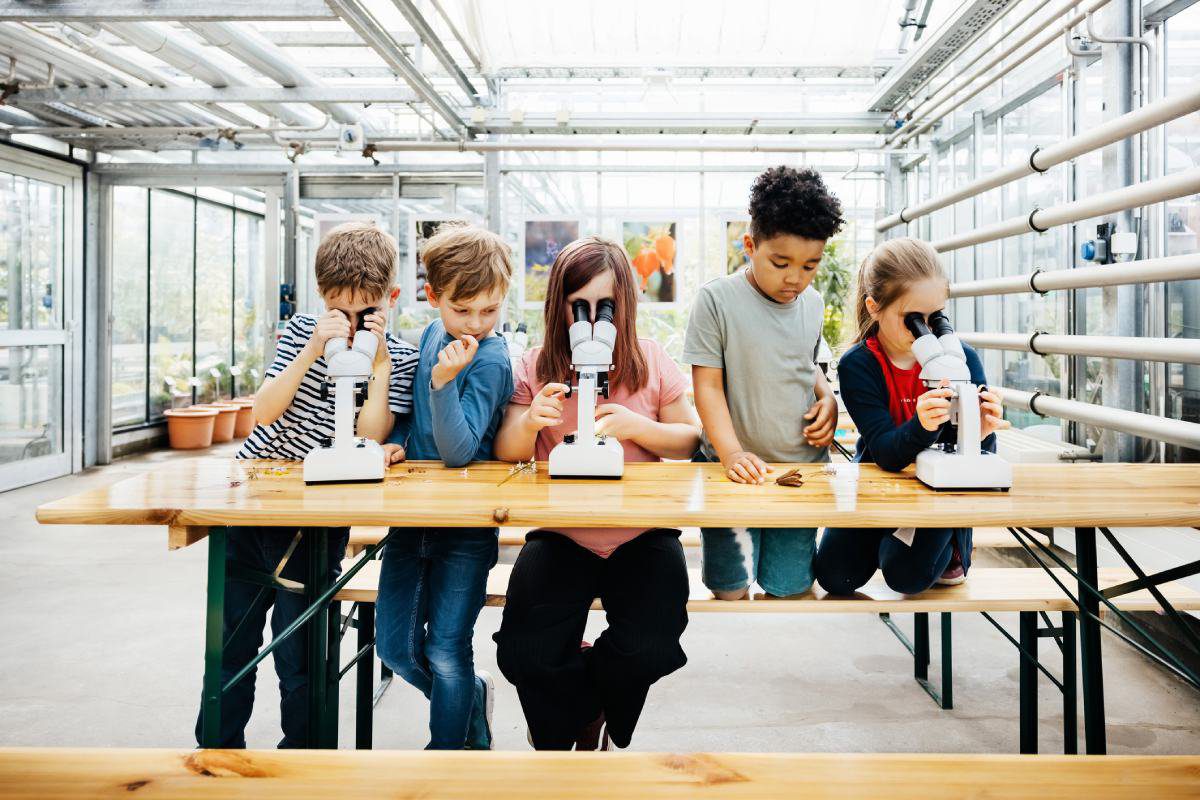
[{"x": 41, "y": 265}]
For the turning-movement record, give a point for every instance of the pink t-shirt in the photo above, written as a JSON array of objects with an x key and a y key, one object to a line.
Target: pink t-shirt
[{"x": 665, "y": 385}]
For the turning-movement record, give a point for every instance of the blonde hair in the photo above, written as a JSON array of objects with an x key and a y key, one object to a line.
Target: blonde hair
[
  {"x": 462, "y": 261},
  {"x": 357, "y": 256},
  {"x": 888, "y": 272}
]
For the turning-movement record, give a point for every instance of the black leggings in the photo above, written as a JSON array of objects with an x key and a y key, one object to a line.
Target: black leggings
[
  {"x": 644, "y": 588},
  {"x": 848, "y": 557}
]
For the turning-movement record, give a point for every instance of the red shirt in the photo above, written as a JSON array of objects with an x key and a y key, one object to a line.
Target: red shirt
[{"x": 904, "y": 385}]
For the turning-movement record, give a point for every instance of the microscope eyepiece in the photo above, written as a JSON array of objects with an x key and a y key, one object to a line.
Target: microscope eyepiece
[
  {"x": 940, "y": 324},
  {"x": 581, "y": 310},
  {"x": 605, "y": 310},
  {"x": 361, "y": 325},
  {"x": 915, "y": 322}
]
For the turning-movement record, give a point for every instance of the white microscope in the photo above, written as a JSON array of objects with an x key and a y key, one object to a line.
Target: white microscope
[
  {"x": 583, "y": 454},
  {"x": 964, "y": 465},
  {"x": 348, "y": 458}
]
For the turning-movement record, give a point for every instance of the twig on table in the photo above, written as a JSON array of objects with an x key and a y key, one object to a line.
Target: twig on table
[{"x": 516, "y": 469}]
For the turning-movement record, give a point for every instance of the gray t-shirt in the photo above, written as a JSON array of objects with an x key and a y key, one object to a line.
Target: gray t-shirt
[{"x": 768, "y": 352}]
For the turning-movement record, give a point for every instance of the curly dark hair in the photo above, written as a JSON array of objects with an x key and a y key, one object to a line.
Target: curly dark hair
[{"x": 785, "y": 200}]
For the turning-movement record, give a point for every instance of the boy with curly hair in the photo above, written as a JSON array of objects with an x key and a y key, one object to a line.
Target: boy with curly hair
[{"x": 752, "y": 341}]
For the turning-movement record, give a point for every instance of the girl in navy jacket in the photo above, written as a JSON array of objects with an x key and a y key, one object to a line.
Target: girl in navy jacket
[{"x": 898, "y": 417}]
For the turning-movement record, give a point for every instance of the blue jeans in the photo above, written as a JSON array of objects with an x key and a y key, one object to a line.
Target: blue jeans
[
  {"x": 431, "y": 589},
  {"x": 780, "y": 560},
  {"x": 262, "y": 549},
  {"x": 848, "y": 557}
]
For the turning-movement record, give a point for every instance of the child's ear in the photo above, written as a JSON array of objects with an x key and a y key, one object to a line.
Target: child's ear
[
  {"x": 393, "y": 296},
  {"x": 748, "y": 245},
  {"x": 872, "y": 306},
  {"x": 431, "y": 295}
]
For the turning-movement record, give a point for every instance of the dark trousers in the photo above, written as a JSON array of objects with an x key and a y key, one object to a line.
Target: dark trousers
[
  {"x": 848, "y": 557},
  {"x": 644, "y": 588},
  {"x": 262, "y": 549}
]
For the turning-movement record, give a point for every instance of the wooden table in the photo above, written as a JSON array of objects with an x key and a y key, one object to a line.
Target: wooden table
[
  {"x": 300, "y": 775},
  {"x": 205, "y": 495}
]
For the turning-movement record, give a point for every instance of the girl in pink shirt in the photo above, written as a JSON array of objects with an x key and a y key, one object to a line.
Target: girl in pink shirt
[{"x": 577, "y": 696}]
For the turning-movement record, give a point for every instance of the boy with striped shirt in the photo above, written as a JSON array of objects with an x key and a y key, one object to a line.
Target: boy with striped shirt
[{"x": 355, "y": 271}]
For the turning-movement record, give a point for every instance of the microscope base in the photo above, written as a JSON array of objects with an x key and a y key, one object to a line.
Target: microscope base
[
  {"x": 601, "y": 458},
  {"x": 360, "y": 461},
  {"x": 938, "y": 469}
]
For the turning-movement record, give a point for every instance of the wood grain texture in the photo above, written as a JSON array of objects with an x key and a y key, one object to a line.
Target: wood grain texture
[
  {"x": 987, "y": 589},
  {"x": 324, "y": 774},
  {"x": 180, "y": 536},
  {"x": 225, "y": 492}
]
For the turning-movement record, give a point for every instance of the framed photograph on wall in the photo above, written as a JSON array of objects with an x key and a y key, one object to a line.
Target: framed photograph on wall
[
  {"x": 652, "y": 247},
  {"x": 734, "y": 230},
  {"x": 421, "y": 227},
  {"x": 542, "y": 237}
]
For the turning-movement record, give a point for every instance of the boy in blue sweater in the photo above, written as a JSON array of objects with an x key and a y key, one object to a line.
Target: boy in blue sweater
[{"x": 433, "y": 580}]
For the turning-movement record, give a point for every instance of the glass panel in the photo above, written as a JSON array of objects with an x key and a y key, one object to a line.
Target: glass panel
[
  {"x": 249, "y": 307},
  {"x": 171, "y": 295},
  {"x": 31, "y": 253},
  {"x": 31, "y": 402},
  {"x": 214, "y": 299},
  {"x": 1183, "y": 219},
  {"x": 129, "y": 304}
]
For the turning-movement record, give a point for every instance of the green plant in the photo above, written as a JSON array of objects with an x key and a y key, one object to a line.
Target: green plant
[{"x": 833, "y": 282}]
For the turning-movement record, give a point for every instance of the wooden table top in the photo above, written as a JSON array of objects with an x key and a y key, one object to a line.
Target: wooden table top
[
  {"x": 209, "y": 491},
  {"x": 322, "y": 774}
]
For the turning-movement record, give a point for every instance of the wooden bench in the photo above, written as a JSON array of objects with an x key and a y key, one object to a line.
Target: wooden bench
[
  {"x": 1032, "y": 593},
  {"x": 88, "y": 773}
]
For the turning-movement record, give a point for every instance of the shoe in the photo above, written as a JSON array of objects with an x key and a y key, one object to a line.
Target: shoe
[
  {"x": 592, "y": 735},
  {"x": 479, "y": 732},
  {"x": 605, "y": 742},
  {"x": 954, "y": 574}
]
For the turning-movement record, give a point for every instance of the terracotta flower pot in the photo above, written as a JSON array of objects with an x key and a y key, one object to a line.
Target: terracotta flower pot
[
  {"x": 245, "y": 418},
  {"x": 190, "y": 428},
  {"x": 226, "y": 418}
]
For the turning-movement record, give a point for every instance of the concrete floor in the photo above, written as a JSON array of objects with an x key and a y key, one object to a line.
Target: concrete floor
[{"x": 102, "y": 631}]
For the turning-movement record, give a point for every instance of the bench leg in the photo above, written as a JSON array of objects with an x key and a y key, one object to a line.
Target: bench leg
[
  {"x": 318, "y": 634},
  {"x": 1070, "y": 711},
  {"x": 365, "y": 671},
  {"x": 921, "y": 646},
  {"x": 947, "y": 701},
  {"x": 1089, "y": 643},
  {"x": 333, "y": 671},
  {"x": 214, "y": 639},
  {"x": 1029, "y": 682}
]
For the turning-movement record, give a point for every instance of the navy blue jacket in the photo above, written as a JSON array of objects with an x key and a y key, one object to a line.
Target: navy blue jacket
[{"x": 865, "y": 393}]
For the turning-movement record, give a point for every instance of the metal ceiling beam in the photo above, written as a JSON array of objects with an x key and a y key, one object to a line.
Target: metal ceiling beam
[
  {"x": 684, "y": 123},
  {"x": 249, "y": 173},
  {"x": 434, "y": 43},
  {"x": 332, "y": 38},
  {"x": 147, "y": 10},
  {"x": 230, "y": 94},
  {"x": 356, "y": 15}
]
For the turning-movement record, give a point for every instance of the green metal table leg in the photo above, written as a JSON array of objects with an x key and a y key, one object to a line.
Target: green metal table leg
[
  {"x": 1029, "y": 682},
  {"x": 947, "y": 701},
  {"x": 214, "y": 639},
  {"x": 921, "y": 646},
  {"x": 317, "y": 639},
  {"x": 333, "y": 672},
  {"x": 1089, "y": 643},
  {"x": 1070, "y": 710}
]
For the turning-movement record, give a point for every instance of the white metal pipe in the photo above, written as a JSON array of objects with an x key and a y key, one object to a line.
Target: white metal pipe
[
  {"x": 1039, "y": 35},
  {"x": 1042, "y": 159},
  {"x": 1137, "y": 348},
  {"x": 1163, "y": 429},
  {"x": 1169, "y": 187},
  {"x": 1152, "y": 270},
  {"x": 618, "y": 145}
]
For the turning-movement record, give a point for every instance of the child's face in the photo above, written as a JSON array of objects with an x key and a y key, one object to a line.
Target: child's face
[
  {"x": 472, "y": 316},
  {"x": 353, "y": 303},
  {"x": 926, "y": 296},
  {"x": 598, "y": 288},
  {"x": 783, "y": 266}
]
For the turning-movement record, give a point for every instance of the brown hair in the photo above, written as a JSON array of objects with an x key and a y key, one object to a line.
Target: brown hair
[
  {"x": 462, "y": 260},
  {"x": 887, "y": 273},
  {"x": 357, "y": 256},
  {"x": 574, "y": 267}
]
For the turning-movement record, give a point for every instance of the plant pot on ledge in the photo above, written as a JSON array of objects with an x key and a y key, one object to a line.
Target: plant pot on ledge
[
  {"x": 226, "y": 419},
  {"x": 190, "y": 428}
]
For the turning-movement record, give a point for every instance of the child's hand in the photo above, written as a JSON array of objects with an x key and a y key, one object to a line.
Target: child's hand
[
  {"x": 546, "y": 409},
  {"x": 617, "y": 421},
  {"x": 991, "y": 413},
  {"x": 819, "y": 432},
  {"x": 393, "y": 454},
  {"x": 933, "y": 407},
  {"x": 376, "y": 323},
  {"x": 452, "y": 360},
  {"x": 745, "y": 467},
  {"x": 333, "y": 324}
]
